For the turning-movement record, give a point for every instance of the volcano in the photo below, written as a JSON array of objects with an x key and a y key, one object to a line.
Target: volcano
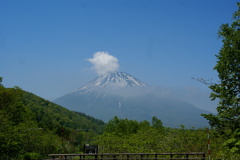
[{"x": 121, "y": 94}]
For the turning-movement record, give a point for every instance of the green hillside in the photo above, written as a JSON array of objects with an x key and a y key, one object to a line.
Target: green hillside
[
  {"x": 50, "y": 115},
  {"x": 34, "y": 127}
]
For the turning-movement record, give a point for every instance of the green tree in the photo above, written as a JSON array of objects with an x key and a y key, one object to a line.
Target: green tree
[
  {"x": 0, "y": 81},
  {"x": 227, "y": 91},
  {"x": 157, "y": 123},
  {"x": 12, "y": 116},
  {"x": 20, "y": 134},
  {"x": 122, "y": 126}
]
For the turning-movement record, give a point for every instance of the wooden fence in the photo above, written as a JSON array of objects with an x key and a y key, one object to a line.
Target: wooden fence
[{"x": 132, "y": 156}]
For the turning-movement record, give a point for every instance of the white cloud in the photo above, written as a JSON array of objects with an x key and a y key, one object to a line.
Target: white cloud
[{"x": 104, "y": 63}]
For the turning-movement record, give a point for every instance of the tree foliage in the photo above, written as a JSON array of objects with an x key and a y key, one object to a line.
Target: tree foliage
[
  {"x": 147, "y": 138},
  {"x": 129, "y": 136},
  {"x": 157, "y": 123},
  {"x": 227, "y": 121},
  {"x": 19, "y": 131},
  {"x": 31, "y": 126}
]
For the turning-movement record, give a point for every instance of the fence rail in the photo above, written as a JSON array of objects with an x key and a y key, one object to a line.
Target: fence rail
[{"x": 133, "y": 156}]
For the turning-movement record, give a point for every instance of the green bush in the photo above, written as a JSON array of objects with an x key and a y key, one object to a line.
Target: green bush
[{"x": 32, "y": 156}]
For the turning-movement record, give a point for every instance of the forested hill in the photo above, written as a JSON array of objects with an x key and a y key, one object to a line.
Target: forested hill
[
  {"x": 34, "y": 127},
  {"x": 50, "y": 115}
]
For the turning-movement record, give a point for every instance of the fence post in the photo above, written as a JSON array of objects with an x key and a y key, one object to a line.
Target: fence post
[
  {"x": 204, "y": 156},
  {"x": 187, "y": 156}
]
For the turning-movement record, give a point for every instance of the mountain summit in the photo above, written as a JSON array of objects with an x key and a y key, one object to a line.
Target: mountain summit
[
  {"x": 120, "y": 94},
  {"x": 118, "y": 79},
  {"x": 112, "y": 81}
]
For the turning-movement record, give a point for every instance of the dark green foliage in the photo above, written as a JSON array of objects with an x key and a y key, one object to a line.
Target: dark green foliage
[
  {"x": 30, "y": 126},
  {"x": 146, "y": 138},
  {"x": 19, "y": 131},
  {"x": 53, "y": 116},
  {"x": 157, "y": 123},
  {"x": 122, "y": 126},
  {"x": 123, "y": 135},
  {"x": 227, "y": 121},
  {"x": 31, "y": 156},
  {"x": 11, "y": 117},
  {"x": 94, "y": 120}
]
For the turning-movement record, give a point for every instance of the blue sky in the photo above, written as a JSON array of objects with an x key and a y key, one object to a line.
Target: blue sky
[{"x": 45, "y": 44}]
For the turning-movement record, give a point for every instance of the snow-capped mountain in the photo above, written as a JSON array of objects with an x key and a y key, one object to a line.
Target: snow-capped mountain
[
  {"x": 120, "y": 94},
  {"x": 115, "y": 80}
]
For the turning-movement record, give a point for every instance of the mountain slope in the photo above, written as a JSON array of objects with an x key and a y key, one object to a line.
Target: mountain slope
[
  {"x": 125, "y": 96},
  {"x": 51, "y": 115}
]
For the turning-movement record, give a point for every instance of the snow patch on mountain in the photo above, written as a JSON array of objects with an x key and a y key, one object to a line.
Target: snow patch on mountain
[{"x": 115, "y": 80}]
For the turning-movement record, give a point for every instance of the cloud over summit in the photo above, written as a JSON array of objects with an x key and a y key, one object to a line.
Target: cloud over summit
[{"x": 104, "y": 63}]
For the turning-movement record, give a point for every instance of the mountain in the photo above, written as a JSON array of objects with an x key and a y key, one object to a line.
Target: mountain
[{"x": 120, "y": 94}]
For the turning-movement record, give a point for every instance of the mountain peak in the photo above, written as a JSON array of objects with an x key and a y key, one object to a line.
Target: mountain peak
[
  {"x": 112, "y": 80},
  {"x": 118, "y": 79}
]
